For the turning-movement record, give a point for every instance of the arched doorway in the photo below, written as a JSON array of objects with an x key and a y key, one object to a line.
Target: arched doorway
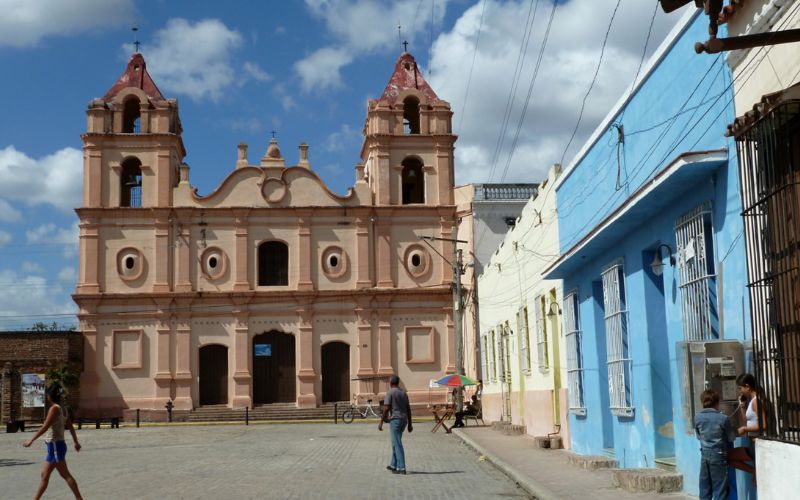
[
  {"x": 274, "y": 374},
  {"x": 213, "y": 375},
  {"x": 335, "y": 372}
]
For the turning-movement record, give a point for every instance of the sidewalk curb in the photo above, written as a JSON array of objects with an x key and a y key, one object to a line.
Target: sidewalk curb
[{"x": 526, "y": 483}]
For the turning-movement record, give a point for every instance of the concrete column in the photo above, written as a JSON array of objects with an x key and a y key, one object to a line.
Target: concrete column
[
  {"x": 384, "y": 263},
  {"x": 162, "y": 253},
  {"x": 242, "y": 379},
  {"x": 183, "y": 358},
  {"x": 385, "y": 366},
  {"x": 89, "y": 261},
  {"x": 363, "y": 258},
  {"x": 304, "y": 250},
  {"x": 306, "y": 375},
  {"x": 241, "y": 262}
]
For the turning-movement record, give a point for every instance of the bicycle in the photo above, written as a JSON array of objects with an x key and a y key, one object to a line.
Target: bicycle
[{"x": 369, "y": 411}]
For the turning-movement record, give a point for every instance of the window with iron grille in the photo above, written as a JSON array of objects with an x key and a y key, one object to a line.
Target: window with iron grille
[
  {"x": 492, "y": 353},
  {"x": 541, "y": 334},
  {"x": 769, "y": 158},
  {"x": 524, "y": 339},
  {"x": 617, "y": 349},
  {"x": 574, "y": 354},
  {"x": 697, "y": 279}
]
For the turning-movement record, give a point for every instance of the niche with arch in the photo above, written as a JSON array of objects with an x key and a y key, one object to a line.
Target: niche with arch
[
  {"x": 130, "y": 183},
  {"x": 411, "y": 115},
  {"x": 273, "y": 264},
  {"x": 131, "y": 115},
  {"x": 413, "y": 181}
]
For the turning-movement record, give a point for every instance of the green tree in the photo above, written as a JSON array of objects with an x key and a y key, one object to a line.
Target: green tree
[
  {"x": 63, "y": 376},
  {"x": 41, "y": 326}
]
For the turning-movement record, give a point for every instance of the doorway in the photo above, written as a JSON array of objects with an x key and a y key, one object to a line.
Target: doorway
[
  {"x": 213, "y": 375},
  {"x": 274, "y": 374},
  {"x": 335, "y": 372}
]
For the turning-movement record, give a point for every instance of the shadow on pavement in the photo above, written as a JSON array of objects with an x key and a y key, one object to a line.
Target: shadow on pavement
[{"x": 11, "y": 462}]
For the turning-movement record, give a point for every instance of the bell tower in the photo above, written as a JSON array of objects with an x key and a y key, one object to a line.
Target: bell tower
[
  {"x": 132, "y": 145},
  {"x": 408, "y": 141}
]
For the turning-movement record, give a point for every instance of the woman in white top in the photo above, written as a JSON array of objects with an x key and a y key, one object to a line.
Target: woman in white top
[
  {"x": 744, "y": 457},
  {"x": 56, "y": 421}
]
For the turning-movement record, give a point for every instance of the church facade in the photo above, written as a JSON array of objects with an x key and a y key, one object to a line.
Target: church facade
[{"x": 271, "y": 288}]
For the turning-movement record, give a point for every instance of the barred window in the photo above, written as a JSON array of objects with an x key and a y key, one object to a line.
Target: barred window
[
  {"x": 697, "y": 278},
  {"x": 617, "y": 349},
  {"x": 524, "y": 339},
  {"x": 492, "y": 352},
  {"x": 484, "y": 358},
  {"x": 541, "y": 334},
  {"x": 769, "y": 158},
  {"x": 574, "y": 354}
]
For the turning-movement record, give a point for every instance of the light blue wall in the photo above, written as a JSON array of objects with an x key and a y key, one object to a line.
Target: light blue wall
[{"x": 591, "y": 191}]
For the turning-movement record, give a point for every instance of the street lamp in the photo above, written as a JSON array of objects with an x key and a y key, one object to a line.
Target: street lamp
[{"x": 657, "y": 266}]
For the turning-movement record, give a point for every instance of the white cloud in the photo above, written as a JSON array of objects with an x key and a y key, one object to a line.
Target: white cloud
[
  {"x": 68, "y": 274},
  {"x": 251, "y": 125},
  {"x": 5, "y": 238},
  {"x": 55, "y": 179},
  {"x": 321, "y": 69},
  {"x": 9, "y": 213},
  {"x": 255, "y": 72},
  {"x": 24, "y": 299},
  {"x": 376, "y": 30},
  {"x": 25, "y": 22},
  {"x": 32, "y": 268},
  {"x": 49, "y": 234},
  {"x": 568, "y": 65},
  {"x": 193, "y": 59},
  {"x": 343, "y": 139}
]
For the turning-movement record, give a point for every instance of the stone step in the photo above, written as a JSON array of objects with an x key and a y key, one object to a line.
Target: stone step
[
  {"x": 591, "y": 462},
  {"x": 648, "y": 480},
  {"x": 668, "y": 464}
]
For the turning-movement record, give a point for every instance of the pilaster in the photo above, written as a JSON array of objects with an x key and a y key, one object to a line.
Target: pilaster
[
  {"x": 242, "y": 377},
  {"x": 306, "y": 375},
  {"x": 363, "y": 257},
  {"x": 183, "y": 361},
  {"x": 385, "y": 366},
  {"x": 163, "y": 376},
  {"x": 184, "y": 261},
  {"x": 242, "y": 259},
  {"x": 366, "y": 366},
  {"x": 162, "y": 254},
  {"x": 384, "y": 253},
  {"x": 89, "y": 260},
  {"x": 304, "y": 249}
]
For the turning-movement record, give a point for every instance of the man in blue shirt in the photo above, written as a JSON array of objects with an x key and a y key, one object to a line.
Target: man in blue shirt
[
  {"x": 396, "y": 411},
  {"x": 714, "y": 431}
]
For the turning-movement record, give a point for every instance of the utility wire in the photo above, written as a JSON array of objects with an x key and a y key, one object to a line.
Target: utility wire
[{"x": 472, "y": 66}]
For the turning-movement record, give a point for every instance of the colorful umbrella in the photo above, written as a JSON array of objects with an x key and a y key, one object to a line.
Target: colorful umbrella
[{"x": 456, "y": 381}]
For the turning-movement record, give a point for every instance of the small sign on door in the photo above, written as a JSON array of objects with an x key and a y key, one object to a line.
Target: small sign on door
[{"x": 263, "y": 350}]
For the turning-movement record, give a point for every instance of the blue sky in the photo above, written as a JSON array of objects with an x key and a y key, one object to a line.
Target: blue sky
[{"x": 302, "y": 68}]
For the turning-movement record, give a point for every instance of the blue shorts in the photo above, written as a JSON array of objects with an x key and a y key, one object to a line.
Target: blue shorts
[{"x": 56, "y": 451}]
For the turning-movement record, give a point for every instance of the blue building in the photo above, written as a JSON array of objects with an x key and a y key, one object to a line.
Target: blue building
[{"x": 653, "y": 262}]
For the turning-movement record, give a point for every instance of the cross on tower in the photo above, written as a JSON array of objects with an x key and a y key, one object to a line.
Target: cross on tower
[
  {"x": 273, "y": 134},
  {"x": 405, "y": 46},
  {"x": 136, "y": 42}
]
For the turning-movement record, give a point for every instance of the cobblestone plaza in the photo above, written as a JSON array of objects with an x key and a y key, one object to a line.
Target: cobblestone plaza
[{"x": 296, "y": 461}]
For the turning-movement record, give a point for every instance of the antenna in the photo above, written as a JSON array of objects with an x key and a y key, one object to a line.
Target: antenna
[{"x": 136, "y": 42}]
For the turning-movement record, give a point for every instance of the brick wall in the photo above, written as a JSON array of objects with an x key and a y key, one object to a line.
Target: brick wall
[{"x": 36, "y": 352}]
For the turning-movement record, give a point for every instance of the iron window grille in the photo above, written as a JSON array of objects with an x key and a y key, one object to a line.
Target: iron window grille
[
  {"x": 524, "y": 339},
  {"x": 484, "y": 357},
  {"x": 574, "y": 354},
  {"x": 617, "y": 348},
  {"x": 768, "y": 143},
  {"x": 541, "y": 334},
  {"x": 492, "y": 357},
  {"x": 696, "y": 274}
]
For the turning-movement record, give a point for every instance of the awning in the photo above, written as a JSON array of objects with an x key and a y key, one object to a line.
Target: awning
[
  {"x": 659, "y": 192},
  {"x": 767, "y": 104}
]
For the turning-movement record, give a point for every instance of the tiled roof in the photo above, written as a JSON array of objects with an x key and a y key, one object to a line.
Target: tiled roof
[
  {"x": 135, "y": 75},
  {"x": 407, "y": 76}
]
